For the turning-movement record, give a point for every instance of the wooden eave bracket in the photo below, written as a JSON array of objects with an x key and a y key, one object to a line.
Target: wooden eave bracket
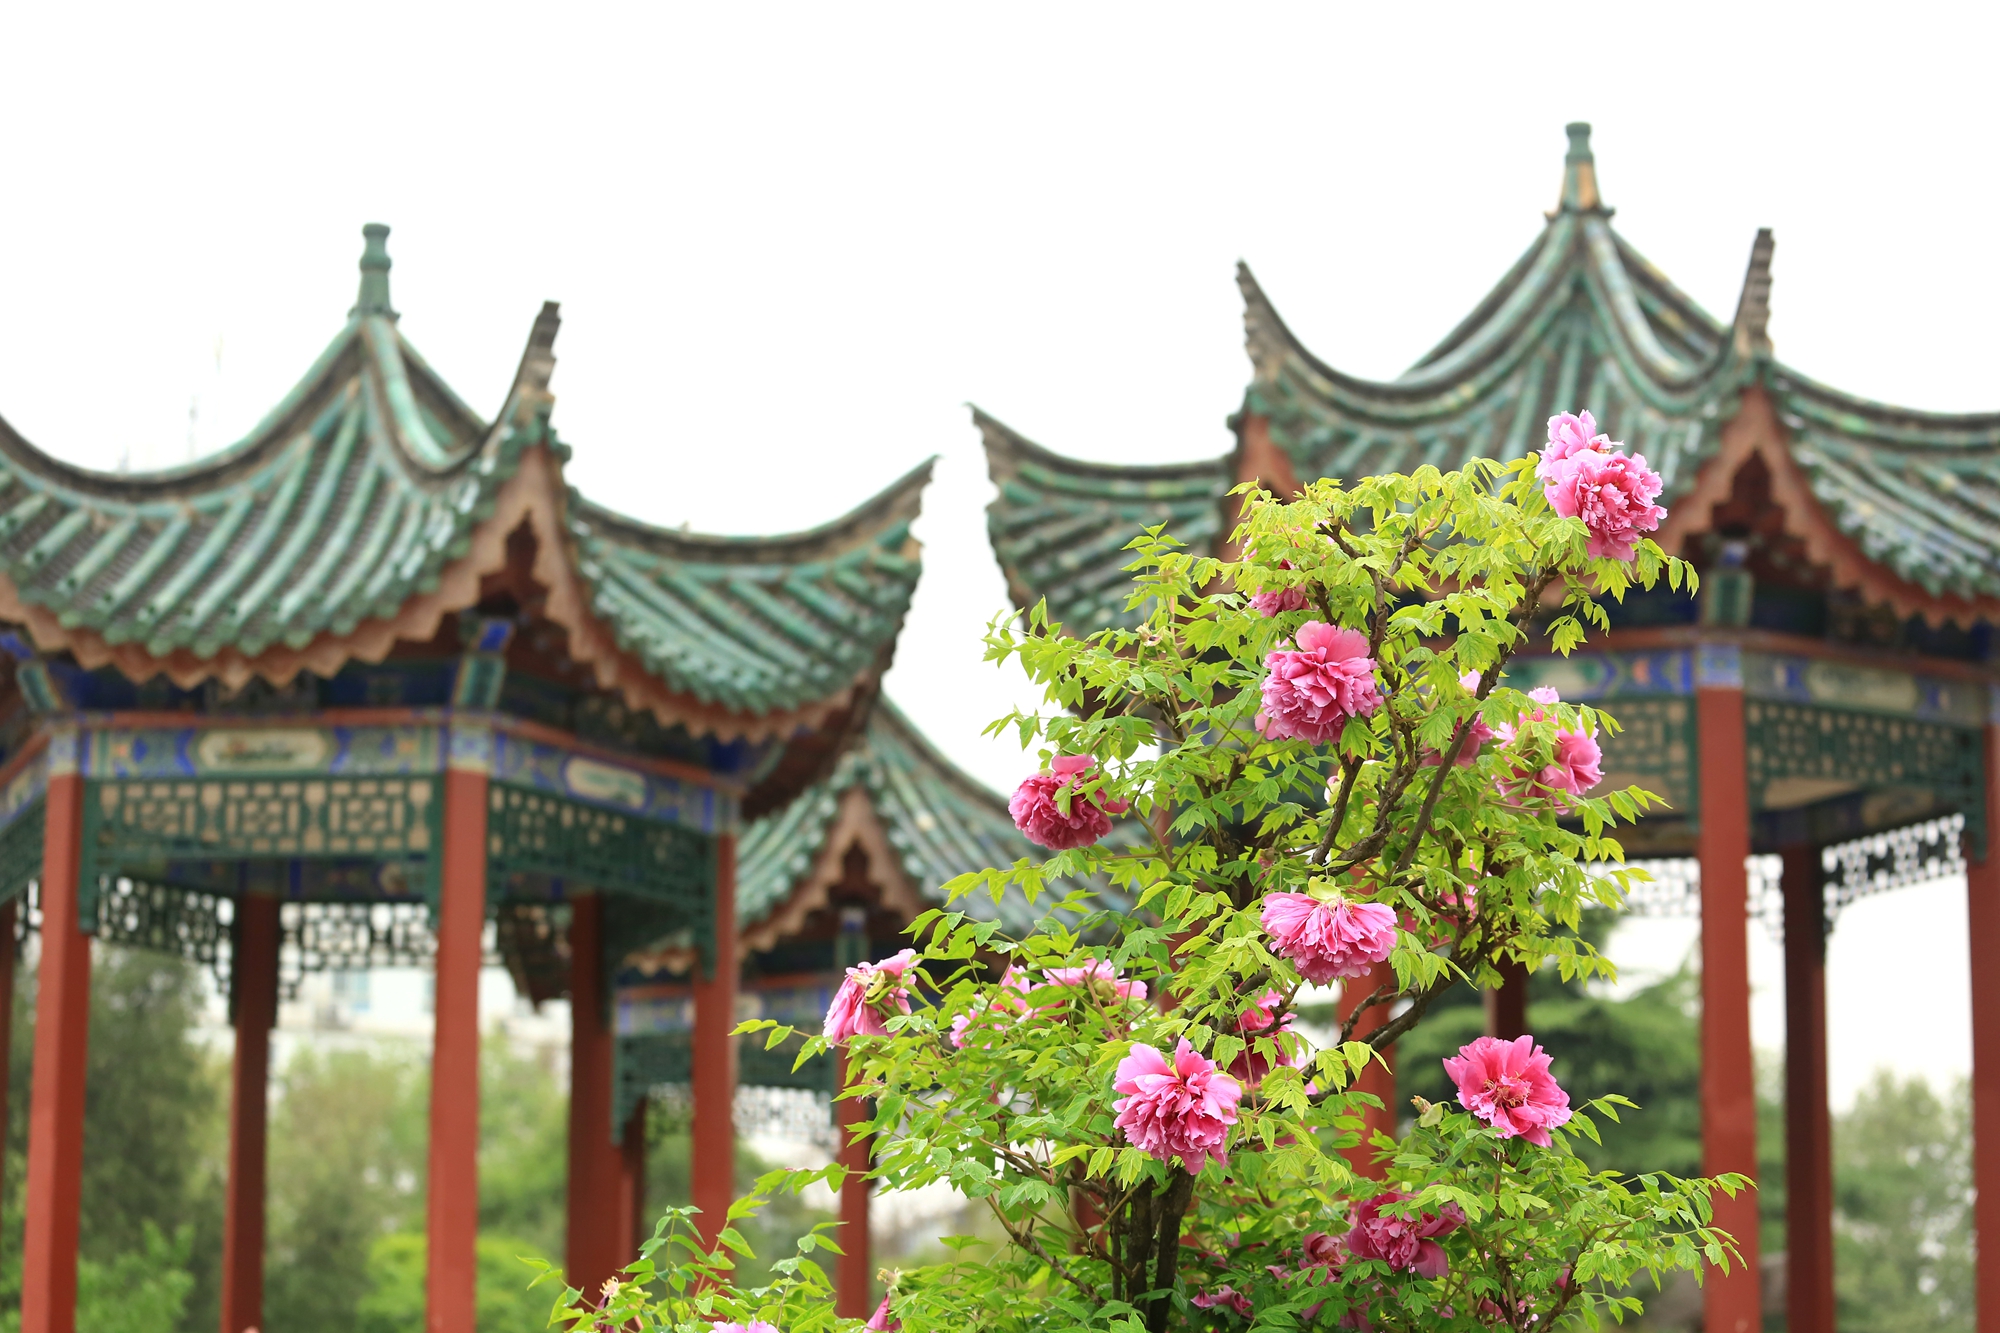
[{"x": 1756, "y": 432}]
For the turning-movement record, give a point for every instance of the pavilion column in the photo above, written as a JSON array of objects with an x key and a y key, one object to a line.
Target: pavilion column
[
  {"x": 1808, "y": 1123},
  {"x": 1376, "y": 1079},
  {"x": 253, "y": 968},
  {"x": 7, "y": 961},
  {"x": 595, "y": 1231},
  {"x": 635, "y": 1226},
  {"x": 1982, "y": 881},
  {"x": 453, "y": 1203},
  {"x": 62, "y": 1036},
  {"x": 713, "y": 1133},
  {"x": 1731, "y": 1303},
  {"x": 854, "y": 1277},
  {"x": 1507, "y": 1006}
]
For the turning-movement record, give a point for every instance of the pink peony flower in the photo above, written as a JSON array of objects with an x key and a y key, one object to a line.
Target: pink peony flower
[
  {"x": 871, "y": 992},
  {"x": 986, "y": 1011},
  {"x": 1277, "y": 601},
  {"x": 1328, "y": 940},
  {"x": 882, "y": 1321},
  {"x": 1323, "y": 1251},
  {"x": 1100, "y": 979},
  {"x": 1180, "y": 1110},
  {"x": 1508, "y": 1085},
  {"x": 1587, "y": 476},
  {"x": 1476, "y": 736},
  {"x": 1407, "y": 1243},
  {"x": 1577, "y": 766},
  {"x": 1039, "y": 815},
  {"x": 1313, "y": 690},
  {"x": 1576, "y": 763},
  {"x": 1568, "y": 437},
  {"x": 1228, "y": 1298},
  {"x": 1249, "y": 1068}
]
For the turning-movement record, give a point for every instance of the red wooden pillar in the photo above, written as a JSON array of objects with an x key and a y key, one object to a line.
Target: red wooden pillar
[
  {"x": 594, "y": 1250},
  {"x": 254, "y": 967},
  {"x": 1376, "y": 1079},
  {"x": 713, "y": 1133},
  {"x": 1731, "y": 1303},
  {"x": 453, "y": 1203},
  {"x": 1808, "y": 1123},
  {"x": 1982, "y": 882},
  {"x": 62, "y": 1035},
  {"x": 7, "y": 910},
  {"x": 635, "y": 1225},
  {"x": 854, "y": 1278},
  {"x": 1507, "y": 1007}
]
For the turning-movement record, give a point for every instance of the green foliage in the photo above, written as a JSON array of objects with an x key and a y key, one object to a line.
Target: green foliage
[
  {"x": 346, "y": 1165},
  {"x": 678, "y": 1284},
  {"x": 1903, "y": 1260},
  {"x": 1484, "y": 863},
  {"x": 144, "y": 1290},
  {"x": 393, "y": 1301},
  {"x": 154, "y": 1140}
]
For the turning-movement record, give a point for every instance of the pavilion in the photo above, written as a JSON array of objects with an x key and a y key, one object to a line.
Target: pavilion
[
  {"x": 1825, "y": 716},
  {"x": 379, "y": 661}
]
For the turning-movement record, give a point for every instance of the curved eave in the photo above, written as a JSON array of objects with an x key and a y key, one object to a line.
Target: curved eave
[
  {"x": 756, "y": 624},
  {"x": 1059, "y": 525},
  {"x": 1864, "y": 534}
]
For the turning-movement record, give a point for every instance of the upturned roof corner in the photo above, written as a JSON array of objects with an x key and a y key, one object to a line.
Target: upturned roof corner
[
  {"x": 1581, "y": 319},
  {"x": 1750, "y": 329},
  {"x": 371, "y": 502}
]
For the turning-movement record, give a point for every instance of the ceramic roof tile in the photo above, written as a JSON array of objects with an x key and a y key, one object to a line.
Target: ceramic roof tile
[
  {"x": 354, "y": 494},
  {"x": 1060, "y": 526},
  {"x": 1581, "y": 319}
]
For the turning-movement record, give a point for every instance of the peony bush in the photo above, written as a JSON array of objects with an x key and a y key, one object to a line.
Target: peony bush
[{"x": 1258, "y": 768}]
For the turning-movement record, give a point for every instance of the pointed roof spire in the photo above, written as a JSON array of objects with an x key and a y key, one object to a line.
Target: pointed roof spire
[
  {"x": 1751, "y": 328},
  {"x": 1579, "y": 194},
  {"x": 374, "y": 298}
]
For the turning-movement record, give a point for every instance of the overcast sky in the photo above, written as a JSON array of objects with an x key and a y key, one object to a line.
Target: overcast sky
[{"x": 791, "y": 242}]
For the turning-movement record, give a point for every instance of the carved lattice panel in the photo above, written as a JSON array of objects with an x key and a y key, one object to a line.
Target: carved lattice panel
[
  {"x": 1801, "y": 745},
  {"x": 141, "y": 824},
  {"x": 1654, "y": 749},
  {"x": 536, "y": 833},
  {"x": 181, "y": 923},
  {"x": 1896, "y": 859},
  {"x": 21, "y": 851},
  {"x": 338, "y": 937}
]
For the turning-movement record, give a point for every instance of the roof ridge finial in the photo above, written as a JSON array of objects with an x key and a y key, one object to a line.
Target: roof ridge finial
[
  {"x": 374, "y": 298},
  {"x": 1751, "y": 327},
  {"x": 1579, "y": 192}
]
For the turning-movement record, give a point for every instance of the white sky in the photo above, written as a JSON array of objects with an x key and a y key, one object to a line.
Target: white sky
[{"x": 792, "y": 241}]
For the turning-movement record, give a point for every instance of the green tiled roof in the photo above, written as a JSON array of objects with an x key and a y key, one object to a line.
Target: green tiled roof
[
  {"x": 1060, "y": 526},
  {"x": 355, "y": 493},
  {"x": 757, "y": 623},
  {"x": 941, "y": 823},
  {"x": 1583, "y": 320}
]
